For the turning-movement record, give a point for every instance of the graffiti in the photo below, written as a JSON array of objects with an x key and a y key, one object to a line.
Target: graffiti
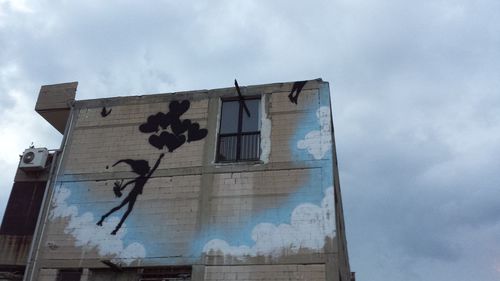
[
  {"x": 297, "y": 88},
  {"x": 82, "y": 227},
  {"x": 301, "y": 217},
  {"x": 140, "y": 167},
  {"x": 174, "y": 138},
  {"x": 105, "y": 112}
]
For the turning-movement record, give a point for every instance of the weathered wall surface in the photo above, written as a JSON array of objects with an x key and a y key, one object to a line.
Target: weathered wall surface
[
  {"x": 19, "y": 221},
  {"x": 264, "y": 216},
  {"x": 14, "y": 249},
  {"x": 314, "y": 272}
]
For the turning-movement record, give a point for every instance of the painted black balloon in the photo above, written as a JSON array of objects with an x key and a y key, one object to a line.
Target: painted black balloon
[
  {"x": 179, "y": 108},
  {"x": 156, "y": 141},
  {"x": 171, "y": 141},
  {"x": 195, "y": 133},
  {"x": 176, "y": 137},
  {"x": 152, "y": 123},
  {"x": 178, "y": 127}
]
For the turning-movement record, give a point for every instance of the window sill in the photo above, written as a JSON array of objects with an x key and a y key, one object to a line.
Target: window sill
[{"x": 239, "y": 163}]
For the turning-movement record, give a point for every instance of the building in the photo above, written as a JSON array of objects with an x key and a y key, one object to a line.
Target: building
[{"x": 238, "y": 183}]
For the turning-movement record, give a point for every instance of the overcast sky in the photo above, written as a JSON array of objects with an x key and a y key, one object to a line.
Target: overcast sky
[{"x": 416, "y": 102}]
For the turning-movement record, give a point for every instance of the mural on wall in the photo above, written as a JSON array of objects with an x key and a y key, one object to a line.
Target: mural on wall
[
  {"x": 310, "y": 221},
  {"x": 140, "y": 167},
  {"x": 319, "y": 142},
  {"x": 81, "y": 219},
  {"x": 176, "y": 137},
  {"x": 296, "y": 88},
  {"x": 172, "y": 140},
  {"x": 301, "y": 221},
  {"x": 81, "y": 225},
  {"x": 105, "y": 112},
  {"x": 309, "y": 225}
]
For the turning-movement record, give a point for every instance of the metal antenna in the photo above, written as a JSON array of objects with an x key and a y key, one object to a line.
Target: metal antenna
[{"x": 242, "y": 101}]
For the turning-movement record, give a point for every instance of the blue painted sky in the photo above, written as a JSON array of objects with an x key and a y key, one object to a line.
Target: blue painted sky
[
  {"x": 310, "y": 191},
  {"x": 415, "y": 97}
]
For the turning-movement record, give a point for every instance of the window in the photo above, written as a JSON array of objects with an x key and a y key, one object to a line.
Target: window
[
  {"x": 69, "y": 275},
  {"x": 169, "y": 273},
  {"x": 239, "y": 132}
]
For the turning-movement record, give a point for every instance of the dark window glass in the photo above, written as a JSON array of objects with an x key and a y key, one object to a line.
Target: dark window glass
[
  {"x": 69, "y": 275},
  {"x": 168, "y": 273},
  {"x": 239, "y": 134},
  {"x": 229, "y": 117},
  {"x": 251, "y": 124}
]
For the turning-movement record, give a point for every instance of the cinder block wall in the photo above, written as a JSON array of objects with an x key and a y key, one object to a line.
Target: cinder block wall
[{"x": 271, "y": 219}]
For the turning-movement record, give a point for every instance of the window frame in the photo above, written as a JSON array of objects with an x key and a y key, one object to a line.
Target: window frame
[
  {"x": 239, "y": 132},
  {"x": 69, "y": 273}
]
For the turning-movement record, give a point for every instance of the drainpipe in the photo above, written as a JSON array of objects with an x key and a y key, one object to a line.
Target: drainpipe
[{"x": 31, "y": 271}]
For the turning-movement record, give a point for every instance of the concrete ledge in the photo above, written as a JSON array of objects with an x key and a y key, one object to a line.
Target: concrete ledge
[{"x": 54, "y": 103}]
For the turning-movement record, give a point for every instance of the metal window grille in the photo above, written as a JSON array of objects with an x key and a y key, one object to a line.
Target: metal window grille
[
  {"x": 239, "y": 147},
  {"x": 173, "y": 273}
]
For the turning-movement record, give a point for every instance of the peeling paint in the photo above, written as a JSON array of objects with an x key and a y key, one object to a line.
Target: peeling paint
[
  {"x": 319, "y": 143},
  {"x": 265, "y": 132}
]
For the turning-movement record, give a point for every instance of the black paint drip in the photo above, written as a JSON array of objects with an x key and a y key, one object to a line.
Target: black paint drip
[{"x": 297, "y": 88}]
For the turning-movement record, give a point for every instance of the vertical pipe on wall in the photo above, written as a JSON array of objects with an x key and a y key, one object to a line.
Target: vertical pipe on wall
[
  {"x": 43, "y": 208},
  {"x": 32, "y": 263}
]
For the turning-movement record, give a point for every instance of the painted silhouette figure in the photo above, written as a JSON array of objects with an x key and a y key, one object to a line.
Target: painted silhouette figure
[{"x": 140, "y": 167}]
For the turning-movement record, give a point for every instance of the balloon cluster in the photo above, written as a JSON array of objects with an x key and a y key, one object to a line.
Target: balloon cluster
[{"x": 180, "y": 130}]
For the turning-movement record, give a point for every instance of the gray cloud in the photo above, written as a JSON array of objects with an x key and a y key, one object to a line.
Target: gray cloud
[{"x": 415, "y": 94}]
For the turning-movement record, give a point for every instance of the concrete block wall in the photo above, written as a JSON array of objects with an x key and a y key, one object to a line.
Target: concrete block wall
[
  {"x": 47, "y": 274},
  {"x": 287, "y": 119},
  {"x": 311, "y": 272},
  {"x": 237, "y": 197},
  {"x": 193, "y": 210}
]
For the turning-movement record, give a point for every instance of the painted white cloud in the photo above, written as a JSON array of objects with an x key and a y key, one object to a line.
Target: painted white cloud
[
  {"x": 318, "y": 143},
  {"x": 309, "y": 226},
  {"x": 86, "y": 233}
]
